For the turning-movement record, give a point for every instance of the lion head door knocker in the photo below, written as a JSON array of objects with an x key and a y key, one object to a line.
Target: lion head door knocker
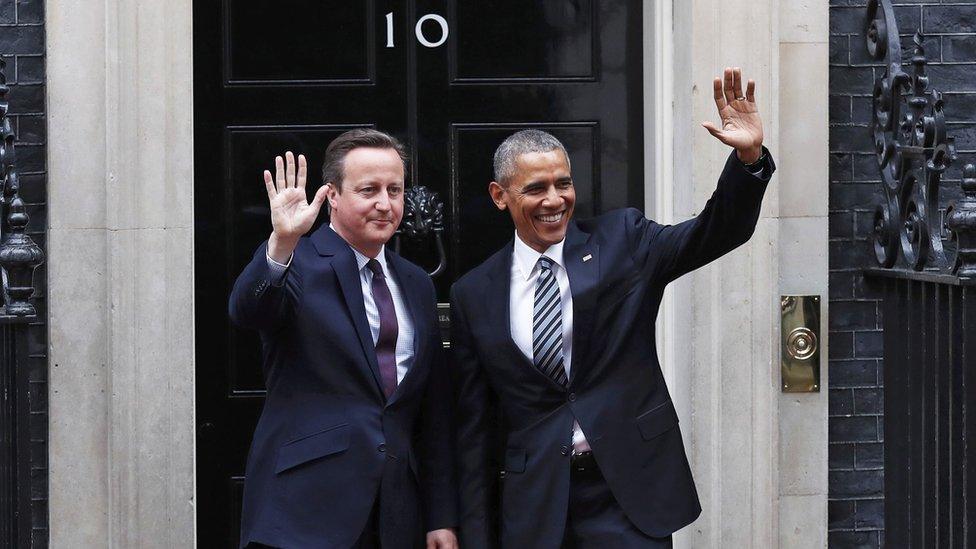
[{"x": 423, "y": 215}]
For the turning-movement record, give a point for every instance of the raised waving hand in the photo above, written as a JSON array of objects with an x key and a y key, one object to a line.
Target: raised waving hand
[
  {"x": 741, "y": 125},
  {"x": 291, "y": 213}
]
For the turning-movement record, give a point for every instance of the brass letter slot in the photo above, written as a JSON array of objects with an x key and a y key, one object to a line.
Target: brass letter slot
[{"x": 800, "y": 366}]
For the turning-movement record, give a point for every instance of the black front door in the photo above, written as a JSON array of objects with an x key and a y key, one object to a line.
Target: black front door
[{"x": 451, "y": 79}]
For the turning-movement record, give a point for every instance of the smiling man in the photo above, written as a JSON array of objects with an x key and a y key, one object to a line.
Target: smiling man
[
  {"x": 558, "y": 329},
  {"x": 353, "y": 447}
]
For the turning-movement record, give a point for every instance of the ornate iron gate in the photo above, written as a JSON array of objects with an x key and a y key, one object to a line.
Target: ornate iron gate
[{"x": 927, "y": 257}]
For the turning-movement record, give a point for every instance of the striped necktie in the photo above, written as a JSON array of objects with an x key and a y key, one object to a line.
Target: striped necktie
[{"x": 547, "y": 325}]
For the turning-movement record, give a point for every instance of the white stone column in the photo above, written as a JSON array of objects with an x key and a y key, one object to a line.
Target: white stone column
[
  {"x": 121, "y": 273},
  {"x": 759, "y": 456},
  {"x": 803, "y": 182}
]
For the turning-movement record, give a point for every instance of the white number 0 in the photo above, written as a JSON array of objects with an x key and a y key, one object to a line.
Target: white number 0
[{"x": 419, "y": 31}]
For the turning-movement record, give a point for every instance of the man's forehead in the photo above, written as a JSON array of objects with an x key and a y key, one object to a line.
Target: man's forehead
[
  {"x": 375, "y": 162},
  {"x": 537, "y": 157},
  {"x": 372, "y": 156},
  {"x": 542, "y": 164}
]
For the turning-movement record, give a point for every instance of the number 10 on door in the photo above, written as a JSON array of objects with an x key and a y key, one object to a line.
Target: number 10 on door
[{"x": 419, "y": 30}]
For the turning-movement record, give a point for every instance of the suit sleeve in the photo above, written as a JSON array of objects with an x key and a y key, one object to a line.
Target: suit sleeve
[
  {"x": 473, "y": 412},
  {"x": 726, "y": 222},
  {"x": 264, "y": 298},
  {"x": 437, "y": 468}
]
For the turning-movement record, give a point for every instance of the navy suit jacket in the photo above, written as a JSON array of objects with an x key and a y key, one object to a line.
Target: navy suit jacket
[
  {"x": 618, "y": 265},
  {"x": 328, "y": 441}
]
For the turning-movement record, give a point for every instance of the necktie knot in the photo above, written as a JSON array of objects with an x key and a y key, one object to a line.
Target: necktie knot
[
  {"x": 545, "y": 263},
  {"x": 376, "y": 268}
]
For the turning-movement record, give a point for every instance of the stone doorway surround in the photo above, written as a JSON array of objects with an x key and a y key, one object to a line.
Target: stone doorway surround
[
  {"x": 759, "y": 455},
  {"x": 121, "y": 273},
  {"x": 122, "y": 455}
]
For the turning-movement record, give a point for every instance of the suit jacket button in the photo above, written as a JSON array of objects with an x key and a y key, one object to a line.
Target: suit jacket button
[
  {"x": 572, "y": 397},
  {"x": 381, "y": 447},
  {"x": 564, "y": 450},
  {"x": 501, "y": 474}
]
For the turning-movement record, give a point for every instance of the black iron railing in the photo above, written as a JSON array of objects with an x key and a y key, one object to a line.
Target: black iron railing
[
  {"x": 927, "y": 262},
  {"x": 19, "y": 256}
]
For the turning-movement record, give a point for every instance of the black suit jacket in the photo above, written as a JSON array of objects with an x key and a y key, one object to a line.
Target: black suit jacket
[
  {"x": 616, "y": 390},
  {"x": 328, "y": 441}
]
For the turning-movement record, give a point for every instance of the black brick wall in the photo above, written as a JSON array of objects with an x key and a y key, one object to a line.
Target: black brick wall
[
  {"x": 856, "y": 423},
  {"x": 22, "y": 47}
]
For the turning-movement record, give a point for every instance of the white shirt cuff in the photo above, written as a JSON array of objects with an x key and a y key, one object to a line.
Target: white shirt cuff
[{"x": 278, "y": 270}]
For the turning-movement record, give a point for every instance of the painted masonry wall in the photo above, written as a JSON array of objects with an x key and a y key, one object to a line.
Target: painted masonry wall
[
  {"x": 22, "y": 46},
  {"x": 856, "y": 433}
]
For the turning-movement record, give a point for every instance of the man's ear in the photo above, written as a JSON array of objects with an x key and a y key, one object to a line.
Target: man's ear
[
  {"x": 497, "y": 193},
  {"x": 330, "y": 193}
]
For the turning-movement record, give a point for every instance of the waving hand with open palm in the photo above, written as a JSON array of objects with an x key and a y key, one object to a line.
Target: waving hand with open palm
[
  {"x": 741, "y": 125},
  {"x": 291, "y": 213}
]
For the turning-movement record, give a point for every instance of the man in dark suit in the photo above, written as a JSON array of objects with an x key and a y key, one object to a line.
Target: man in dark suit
[
  {"x": 353, "y": 447},
  {"x": 558, "y": 329}
]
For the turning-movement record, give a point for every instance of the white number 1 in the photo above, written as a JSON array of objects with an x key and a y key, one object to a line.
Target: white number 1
[{"x": 389, "y": 30}]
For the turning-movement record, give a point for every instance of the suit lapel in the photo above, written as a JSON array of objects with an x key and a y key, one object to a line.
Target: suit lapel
[
  {"x": 328, "y": 243},
  {"x": 582, "y": 260},
  {"x": 497, "y": 297}
]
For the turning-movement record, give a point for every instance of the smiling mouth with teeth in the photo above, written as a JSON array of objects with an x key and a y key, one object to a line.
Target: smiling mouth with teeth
[{"x": 551, "y": 218}]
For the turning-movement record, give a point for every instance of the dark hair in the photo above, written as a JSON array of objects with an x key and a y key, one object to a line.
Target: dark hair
[{"x": 335, "y": 153}]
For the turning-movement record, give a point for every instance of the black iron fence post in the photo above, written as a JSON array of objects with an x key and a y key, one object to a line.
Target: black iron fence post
[{"x": 19, "y": 256}]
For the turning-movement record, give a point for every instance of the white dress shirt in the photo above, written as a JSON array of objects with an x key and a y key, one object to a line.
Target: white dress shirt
[
  {"x": 405, "y": 333},
  {"x": 525, "y": 273}
]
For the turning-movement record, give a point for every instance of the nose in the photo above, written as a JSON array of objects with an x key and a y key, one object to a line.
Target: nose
[
  {"x": 553, "y": 198},
  {"x": 383, "y": 201}
]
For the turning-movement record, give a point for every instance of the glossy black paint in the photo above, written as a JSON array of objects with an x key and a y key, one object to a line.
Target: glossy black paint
[{"x": 291, "y": 75}]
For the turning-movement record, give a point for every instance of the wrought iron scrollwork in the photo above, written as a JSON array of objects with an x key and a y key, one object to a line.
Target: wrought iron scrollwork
[
  {"x": 19, "y": 255},
  {"x": 423, "y": 215},
  {"x": 961, "y": 219},
  {"x": 913, "y": 150}
]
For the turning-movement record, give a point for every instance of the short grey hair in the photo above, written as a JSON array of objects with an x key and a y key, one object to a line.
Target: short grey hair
[{"x": 519, "y": 143}]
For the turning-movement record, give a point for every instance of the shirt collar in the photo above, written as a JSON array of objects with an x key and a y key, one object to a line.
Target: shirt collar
[
  {"x": 526, "y": 258},
  {"x": 362, "y": 260}
]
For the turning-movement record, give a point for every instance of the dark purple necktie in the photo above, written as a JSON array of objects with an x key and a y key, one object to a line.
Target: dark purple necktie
[{"x": 386, "y": 342}]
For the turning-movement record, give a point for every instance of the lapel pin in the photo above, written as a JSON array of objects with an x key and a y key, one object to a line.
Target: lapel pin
[{"x": 587, "y": 257}]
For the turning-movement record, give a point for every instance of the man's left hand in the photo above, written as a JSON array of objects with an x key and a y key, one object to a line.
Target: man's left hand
[
  {"x": 741, "y": 125},
  {"x": 442, "y": 539}
]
